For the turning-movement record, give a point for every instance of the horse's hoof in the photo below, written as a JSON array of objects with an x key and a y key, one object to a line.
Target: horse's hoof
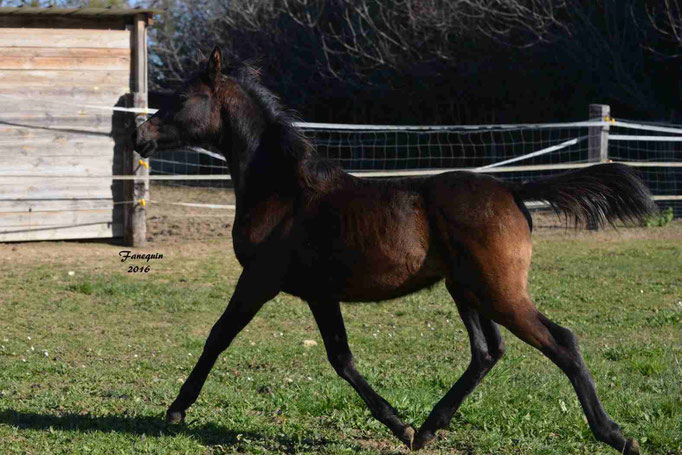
[
  {"x": 421, "y": 439},
  {"x": 173, "y": 417},
  {"x": 407, "y": 435},
  {"x": 631, "y": 447}
]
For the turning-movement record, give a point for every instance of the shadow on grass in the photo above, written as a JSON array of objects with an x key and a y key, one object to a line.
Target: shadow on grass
[{"x": 208, "y": 434}]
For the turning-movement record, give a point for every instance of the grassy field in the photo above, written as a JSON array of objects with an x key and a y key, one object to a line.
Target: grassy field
[{"x": 90, "y": 355}]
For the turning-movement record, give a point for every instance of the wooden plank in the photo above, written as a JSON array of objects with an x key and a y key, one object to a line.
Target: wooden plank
[
  {"x": 83, "y": 127},
  {"x": 11, "y": 133},
  {"x": 17, "y": 164},
  {"x": 30, "y": 62},
  {"x": 24, "y": 188},
  {"x": 16, "y": 131},
  {"x": 51, "y": 58},
  {"x": 53, "y": 186},
  {"x": 99, "y": 126},
  {"x": 50, "y": 219},
  {"x": 56, "y": 147},
  {"x": 50, "y": 37},
  {"x": 64, "y": 52},
  {"x": 32, "y": 111},
  {"x": 13, "y": 136},
  {"x": 51, "y": 191},
  {"x": 63, "y": 93},
  {"x": 58, "y": 112},
  {"x": 89, "y": 231},
  {"x": 59, "y": 106},
  {"x": 107, "y": 79},
  {"x": 65, "y": 22},
  {"x": 63, "y": 204},
  {"x": 17, "y": 220}
]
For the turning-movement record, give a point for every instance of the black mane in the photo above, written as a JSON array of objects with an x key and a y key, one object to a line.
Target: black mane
[{"x": 280, "y": 133}]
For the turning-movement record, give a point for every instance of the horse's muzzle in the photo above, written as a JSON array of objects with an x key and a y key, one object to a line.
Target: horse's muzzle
[{"x": 146, "y": 149}]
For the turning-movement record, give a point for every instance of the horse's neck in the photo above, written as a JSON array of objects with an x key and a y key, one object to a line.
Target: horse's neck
[{"x": 258, "y": 178}]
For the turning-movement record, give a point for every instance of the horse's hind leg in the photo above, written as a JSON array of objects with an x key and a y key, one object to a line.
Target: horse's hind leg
[
  {"x": 252, "y": 291},
  {"x": 560, "y": 345},
  {"x": 330, "y": 322},
  {"x": 487, "y": 347}
]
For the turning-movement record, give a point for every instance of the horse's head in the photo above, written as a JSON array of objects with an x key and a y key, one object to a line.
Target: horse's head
[{"x": 193, "y": 115}]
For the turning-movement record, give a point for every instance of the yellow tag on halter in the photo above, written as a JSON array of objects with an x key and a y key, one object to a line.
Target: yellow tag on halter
[
  {"x": 144, "y": 163},
  {"x": 142, "y": 202}
]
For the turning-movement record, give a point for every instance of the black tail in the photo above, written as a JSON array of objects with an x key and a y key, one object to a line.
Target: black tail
[{"x": 594, "y": 195}]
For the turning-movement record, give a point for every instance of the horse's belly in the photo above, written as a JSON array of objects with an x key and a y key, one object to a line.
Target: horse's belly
[
  {"x": 366, "y": 248},
  {"x": 370, "y": 274}
]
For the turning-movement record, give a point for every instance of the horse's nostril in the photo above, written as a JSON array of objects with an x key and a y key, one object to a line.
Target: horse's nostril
[{"x": 146, "y": 149}]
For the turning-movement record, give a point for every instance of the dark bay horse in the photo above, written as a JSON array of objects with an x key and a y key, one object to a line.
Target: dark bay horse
[{"x": 305, "y": 227}]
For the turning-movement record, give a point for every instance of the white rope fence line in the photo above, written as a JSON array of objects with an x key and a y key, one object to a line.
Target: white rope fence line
[
  {"x": 197, "y": 205},
  {"x": 543, "y": 151},
  {"x": 340, "y": 127},
  {"x": 626, "y": 137},
  {"x": 645, "y": 127}
]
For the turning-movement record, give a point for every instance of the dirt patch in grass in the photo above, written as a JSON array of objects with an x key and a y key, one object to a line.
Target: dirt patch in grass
[{"x": 167, "y": 221}]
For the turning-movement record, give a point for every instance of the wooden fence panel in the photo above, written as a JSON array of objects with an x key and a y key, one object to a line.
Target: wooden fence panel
[{"x": 46, "y": 78}]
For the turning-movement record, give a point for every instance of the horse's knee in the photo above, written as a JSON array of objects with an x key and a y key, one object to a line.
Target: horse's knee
[
  {"x": 343, "y": 364},
  {"x": 495, "y": 347},
  {"x": 486, "y": 358},
  {"x": 498, "y": 351}
]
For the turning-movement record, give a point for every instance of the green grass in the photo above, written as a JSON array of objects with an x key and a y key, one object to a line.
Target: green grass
[{"x": 89, "y": 362}]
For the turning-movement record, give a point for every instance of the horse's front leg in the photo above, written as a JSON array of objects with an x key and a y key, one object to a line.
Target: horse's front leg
[
  {"x": 255, "y": 287},
  {"x": 330, "y": 322}
]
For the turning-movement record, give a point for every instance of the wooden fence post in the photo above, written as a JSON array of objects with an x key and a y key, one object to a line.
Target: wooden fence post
[
  {"x": 135, "y": 230},
  {"x": 598, "y": 136}
]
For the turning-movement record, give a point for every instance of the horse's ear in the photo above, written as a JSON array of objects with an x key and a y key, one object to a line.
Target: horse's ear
[{"x": 215, "y": 64}]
